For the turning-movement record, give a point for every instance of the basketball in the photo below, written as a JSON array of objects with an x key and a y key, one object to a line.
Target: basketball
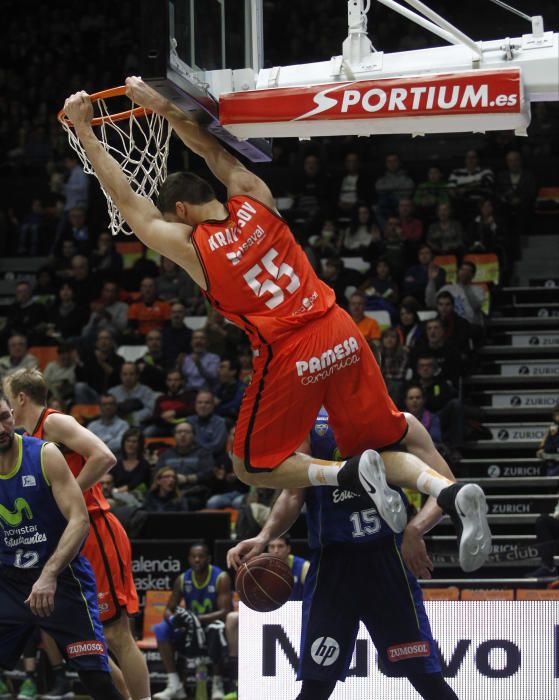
[{"x": 264, "y": 583}]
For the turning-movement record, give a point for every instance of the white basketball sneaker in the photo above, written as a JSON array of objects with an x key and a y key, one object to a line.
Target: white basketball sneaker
[
  {"x": 365, "y": 474},
  {"x": 217, "y": 688},
  {"x": 467, "y": 507},
  {"x": 171, "y": 692}
]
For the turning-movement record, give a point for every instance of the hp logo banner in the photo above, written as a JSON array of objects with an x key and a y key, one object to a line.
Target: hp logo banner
[{"x": 325, "y": 651}]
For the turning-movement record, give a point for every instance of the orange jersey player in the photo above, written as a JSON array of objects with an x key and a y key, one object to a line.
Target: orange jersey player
[
  {"x": 107, "y": 546},
  {"x": 308, "y": 352}
]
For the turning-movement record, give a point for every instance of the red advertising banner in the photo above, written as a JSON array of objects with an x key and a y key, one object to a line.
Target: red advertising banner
[{"x": 452, "y": 94}]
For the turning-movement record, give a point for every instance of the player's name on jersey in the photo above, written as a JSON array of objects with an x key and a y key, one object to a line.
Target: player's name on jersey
[
  {"x": 339, "y": 495},
  {"x": 232, "y": 233}
]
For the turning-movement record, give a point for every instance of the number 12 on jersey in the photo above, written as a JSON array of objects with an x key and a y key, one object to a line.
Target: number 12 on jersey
[{"x": 269, "y": 286}]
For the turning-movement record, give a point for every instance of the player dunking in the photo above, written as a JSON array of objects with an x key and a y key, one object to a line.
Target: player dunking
[
  {"x": 44, "y": 581},
  {"x": 308, "y": 352},
  {"x": 107, "y": 546}
]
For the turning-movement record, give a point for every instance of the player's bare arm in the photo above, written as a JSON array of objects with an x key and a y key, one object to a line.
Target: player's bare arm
[
  {"x": 65, "y": 430},
  {"x": 284, "y": 513},
  {"x": 174, "y": 598},
  {"x": 143, "y": 217},
  {"x": 414, "y": 550},
  {"x": 224, "y": 601},
  {"x": 227, "y": 169},
  {"x": 71, "y": 504}
]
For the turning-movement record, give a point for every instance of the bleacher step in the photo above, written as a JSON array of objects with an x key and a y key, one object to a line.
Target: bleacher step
[
  {"x": 520, "y": 412},
  {"x": 488, "y": 445},
  {"x": 498, "y": 582},
  {"x": 22, "y": 264},
  {"x": 499, "y": 519},
  {"x": 505, "y": 538},
  {"x": 508, "y": 482},
  {"x": 526, "y": 367},
  {"x": 497, "y": 467},
  {"x": 529, "y": 308},
  {"x": 523, "y": 322},
  {"x": 521, "y": 461},
  {"x": 550, "y": 282},
  {"x": 538, "y": 398},
  {"x": 516, "y": 504},
  {"x": 530, "y": 352},
  {"x": 522, "y": 381},
  {"x": 523, "y": 293},
  {"x": 522, "y": 431}
]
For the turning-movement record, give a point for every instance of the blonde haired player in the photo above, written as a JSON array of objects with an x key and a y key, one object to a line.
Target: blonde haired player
[
  {"x": 307, "y": 350},
  {"x": 107, "y": 546}
]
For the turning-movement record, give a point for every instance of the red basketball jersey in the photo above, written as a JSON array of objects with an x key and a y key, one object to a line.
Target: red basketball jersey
[
  {"x": 257, "y": 275},
  {"x": 94, "y": 499}
]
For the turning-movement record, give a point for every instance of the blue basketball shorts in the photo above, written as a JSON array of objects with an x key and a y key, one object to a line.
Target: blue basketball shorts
[
  {"x": 74, "y": 624},
  {"x": 347, "y": 584}
]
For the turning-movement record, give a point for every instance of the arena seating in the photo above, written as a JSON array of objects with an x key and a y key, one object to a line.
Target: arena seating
[
  {"x": 154, "y": 606},
  {"x": 516, "y": 385}
]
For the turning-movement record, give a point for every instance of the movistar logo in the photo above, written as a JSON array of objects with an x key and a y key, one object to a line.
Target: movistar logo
[
  {"x": 202, "y": 608},
  {"x": 15, "y": 516}
]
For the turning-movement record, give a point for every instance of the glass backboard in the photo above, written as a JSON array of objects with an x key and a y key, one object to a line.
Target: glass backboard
[
  {"x": 192, "y": 50},
  {"x": 217, "y": 34}
]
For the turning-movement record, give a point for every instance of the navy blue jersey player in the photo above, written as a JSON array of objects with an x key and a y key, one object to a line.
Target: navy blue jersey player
[
  {"x": 357, "y": 573},
  {"x": 44, "y": 581},
  {"x": 281, "y": 547},
  {"x": 198, "y": 629}
]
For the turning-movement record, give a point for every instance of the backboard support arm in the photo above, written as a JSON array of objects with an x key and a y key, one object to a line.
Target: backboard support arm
[
  {"x": 536, "y": 20},
  {"x": 421, "y": 21},
  {"x": 431, "y": 21}
]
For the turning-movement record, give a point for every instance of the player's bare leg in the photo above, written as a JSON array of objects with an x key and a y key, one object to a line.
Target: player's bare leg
[
  {"x": 465, "y": 503},
  {"x": 174, "y": 687},
  {"x": 363, "y": 474},
  {"x": 61, "y": 684},
  {"x": 167, "y": 653},
  {"x": 300, "y": 471},
  {"x": 118, "y": 679},
  {"x": 130, "y": 659},
  {"x": 232, "y": 635},
  {"x": 369, "y": 473}
]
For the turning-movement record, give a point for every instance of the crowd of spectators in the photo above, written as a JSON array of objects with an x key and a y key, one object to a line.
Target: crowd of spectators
[
  {"x": 345, "y": 198},
  {"x": 186, "y": 386}
]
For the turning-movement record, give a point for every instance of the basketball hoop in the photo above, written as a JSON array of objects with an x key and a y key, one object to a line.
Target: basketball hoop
[{"x": 137, "y": 138}]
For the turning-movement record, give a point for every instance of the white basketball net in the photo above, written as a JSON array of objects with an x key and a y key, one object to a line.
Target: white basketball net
[{"x": 139, "y": 144}]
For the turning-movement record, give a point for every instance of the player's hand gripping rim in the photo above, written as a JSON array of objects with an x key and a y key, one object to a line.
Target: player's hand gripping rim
[
  {"x": 142, "y": 94},
  {"x": 78, "y": 108}
]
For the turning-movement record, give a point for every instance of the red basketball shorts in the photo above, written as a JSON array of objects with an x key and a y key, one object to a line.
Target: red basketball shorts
[
  {"x": 108, "y": 549},
  {"x": 326, "y": 363}
]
